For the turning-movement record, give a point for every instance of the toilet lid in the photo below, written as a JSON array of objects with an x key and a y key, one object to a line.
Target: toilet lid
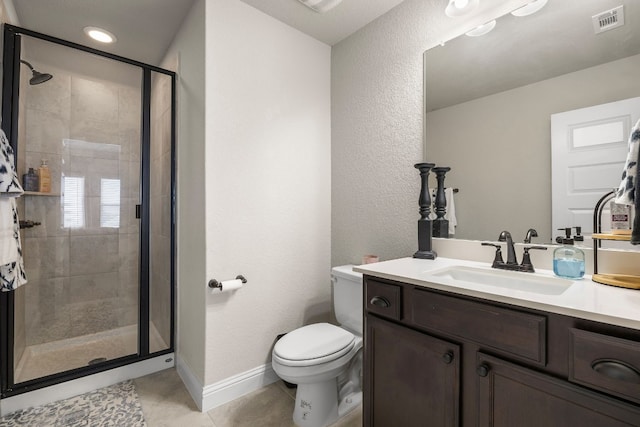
[{"x": 317, "y": 341}]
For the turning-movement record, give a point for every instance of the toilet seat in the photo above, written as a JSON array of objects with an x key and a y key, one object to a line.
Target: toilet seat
[{"x": 313, "y": 345}]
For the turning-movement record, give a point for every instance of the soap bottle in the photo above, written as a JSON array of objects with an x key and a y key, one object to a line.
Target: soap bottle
[
  {"x": 30, "y": 181},
  {"x": 45, "y": 177},
  {"x": 568, "y": 261}
]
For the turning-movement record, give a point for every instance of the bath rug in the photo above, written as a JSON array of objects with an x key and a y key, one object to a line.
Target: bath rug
[{"x": 113, "y": 406}]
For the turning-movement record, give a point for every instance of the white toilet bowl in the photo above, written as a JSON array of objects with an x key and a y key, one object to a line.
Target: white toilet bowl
[{"x": 325, "y": 360}]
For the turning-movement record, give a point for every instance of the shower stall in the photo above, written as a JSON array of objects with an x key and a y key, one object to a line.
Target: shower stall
[{"x": 98, "y": 246}]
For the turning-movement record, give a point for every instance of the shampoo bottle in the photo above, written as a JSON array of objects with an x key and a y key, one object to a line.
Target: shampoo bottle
[
  {"x": 30, "y": 181},
  {"x": 45, "y": 177},
  {"x": 568, "y": 261}
]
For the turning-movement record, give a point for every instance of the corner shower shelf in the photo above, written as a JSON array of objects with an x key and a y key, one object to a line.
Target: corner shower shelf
[
  {"x": 37, "y": 193},
  {"x": 621, "y": 280}
]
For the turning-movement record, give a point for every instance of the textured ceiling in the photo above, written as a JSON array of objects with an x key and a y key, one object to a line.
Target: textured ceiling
[
  {"x": 332, "y": 26},
  {"x": 557, "y": 40},
  {"x": 145, "y": 28}
]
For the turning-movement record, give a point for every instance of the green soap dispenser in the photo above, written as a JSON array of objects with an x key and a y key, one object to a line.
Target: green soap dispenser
[{"x": 568, "y": 261}]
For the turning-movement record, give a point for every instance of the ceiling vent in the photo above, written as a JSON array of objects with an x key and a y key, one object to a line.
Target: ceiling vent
[
  {"x": 320, "y": 6},
  {"x": 608, "y": 20}
]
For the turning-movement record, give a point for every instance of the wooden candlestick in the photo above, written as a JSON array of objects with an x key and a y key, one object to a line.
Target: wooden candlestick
[
  {"x": 424, "y": 223},
  {"x": 441, "y": 225}
]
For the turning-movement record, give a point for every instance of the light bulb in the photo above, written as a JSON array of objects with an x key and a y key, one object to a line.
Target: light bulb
[{"x": 457, "y": 8}]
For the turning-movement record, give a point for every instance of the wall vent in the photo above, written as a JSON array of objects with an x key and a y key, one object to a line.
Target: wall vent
[
  {"x": 608, "y": 20},
  {"x": 320, "y": 6}
]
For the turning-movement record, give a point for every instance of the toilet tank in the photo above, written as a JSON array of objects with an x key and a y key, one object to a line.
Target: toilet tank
[{"x": 347, "y": 297}]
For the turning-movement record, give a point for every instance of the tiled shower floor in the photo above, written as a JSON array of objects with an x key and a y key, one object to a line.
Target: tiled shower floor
[{"x": 58, "y": 356}]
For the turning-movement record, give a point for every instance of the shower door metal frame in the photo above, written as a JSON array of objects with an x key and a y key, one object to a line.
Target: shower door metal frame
[{"x": 10, "y": 109}]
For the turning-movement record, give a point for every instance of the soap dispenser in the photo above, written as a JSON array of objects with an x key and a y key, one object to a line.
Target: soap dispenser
[{"x": 568, "y": 261}]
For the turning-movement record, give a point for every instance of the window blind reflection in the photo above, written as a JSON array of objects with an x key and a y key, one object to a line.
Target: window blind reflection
[
  {"x": 73, "y": 201},
  {"x": 109, "y": 203}
]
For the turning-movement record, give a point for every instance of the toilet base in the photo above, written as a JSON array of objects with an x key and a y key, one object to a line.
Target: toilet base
[{"x": 316, "y": 404}]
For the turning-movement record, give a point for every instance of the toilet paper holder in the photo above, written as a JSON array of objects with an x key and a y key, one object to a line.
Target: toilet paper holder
[{"x": 213, "y": 283}]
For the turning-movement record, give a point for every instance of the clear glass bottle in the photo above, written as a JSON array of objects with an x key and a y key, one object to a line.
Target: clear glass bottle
[{"x": 568, "y": 261}]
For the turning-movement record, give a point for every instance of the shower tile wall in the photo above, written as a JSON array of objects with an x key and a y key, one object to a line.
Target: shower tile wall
[{"x": 82, "y": 279}]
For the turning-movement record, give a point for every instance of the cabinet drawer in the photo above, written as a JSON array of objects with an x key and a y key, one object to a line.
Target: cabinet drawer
[
  {"x": 605, "y": 363},
  {"x": 383, "y": 299},
  {"x": 518, "y": 334}
]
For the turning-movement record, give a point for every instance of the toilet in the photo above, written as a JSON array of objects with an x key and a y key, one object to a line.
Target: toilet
[{"x": 325, "y": 360}]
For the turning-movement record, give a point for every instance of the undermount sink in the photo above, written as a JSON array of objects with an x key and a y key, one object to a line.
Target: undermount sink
[{"x": 527, "y": 282}]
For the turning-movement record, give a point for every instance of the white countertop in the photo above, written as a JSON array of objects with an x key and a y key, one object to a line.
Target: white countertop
[{"x": 583, "y": 299}]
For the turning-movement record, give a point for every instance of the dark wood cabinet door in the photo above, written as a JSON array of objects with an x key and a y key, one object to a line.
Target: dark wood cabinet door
[
  {"x": 411, "y": 379},
  {"x": 510, "y": 395}
]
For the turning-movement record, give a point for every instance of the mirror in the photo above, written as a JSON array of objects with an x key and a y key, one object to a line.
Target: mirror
[{"x": 488, "y": 102}]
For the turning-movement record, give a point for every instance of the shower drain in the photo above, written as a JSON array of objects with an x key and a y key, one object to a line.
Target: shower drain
[{"x": 97, "y": 360}]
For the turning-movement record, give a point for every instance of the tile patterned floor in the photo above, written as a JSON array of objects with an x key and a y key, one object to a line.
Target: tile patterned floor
[{"x": 166, "y": 403}]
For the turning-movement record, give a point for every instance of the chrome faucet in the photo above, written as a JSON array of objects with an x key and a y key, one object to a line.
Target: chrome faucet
[
  {"x": 505, "y": 236},
  {"x": 530, "y": 233}
]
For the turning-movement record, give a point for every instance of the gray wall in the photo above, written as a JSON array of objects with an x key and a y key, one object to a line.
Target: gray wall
[{"x": 377, "y": 120}]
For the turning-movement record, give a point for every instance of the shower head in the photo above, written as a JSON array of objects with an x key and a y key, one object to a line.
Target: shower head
[{"x": 37, "y": 77}]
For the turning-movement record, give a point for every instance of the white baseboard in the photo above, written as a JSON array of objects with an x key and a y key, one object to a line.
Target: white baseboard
[
  {"x": 85, "y": 384},
  {"x": 193, "y": 385},
  {"x": 214, "y": 395}
]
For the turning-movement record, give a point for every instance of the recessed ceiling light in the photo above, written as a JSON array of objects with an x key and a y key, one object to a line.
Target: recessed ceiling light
[
  {"x": 99, "y": 34},
  {"x": 529, "y": 9}
]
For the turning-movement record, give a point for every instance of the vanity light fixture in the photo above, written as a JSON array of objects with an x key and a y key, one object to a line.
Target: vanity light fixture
[
  {"x": 530, "y": 8},
  {"x": 320, "y": 6},
  {"x": 483, "y": 29},
  {"x": 99, "y": 34},
  {"x": 457, "y": 8}
]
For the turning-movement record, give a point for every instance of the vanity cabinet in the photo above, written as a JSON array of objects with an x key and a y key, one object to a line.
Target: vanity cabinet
[
  {"x": 433, "y": 358},
  {"x": 412, "y": 378}
]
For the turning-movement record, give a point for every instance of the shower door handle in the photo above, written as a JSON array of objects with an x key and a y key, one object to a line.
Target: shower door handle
[
  {"x": 138, "y": 210},
  {"x": 28, "y": 224}
]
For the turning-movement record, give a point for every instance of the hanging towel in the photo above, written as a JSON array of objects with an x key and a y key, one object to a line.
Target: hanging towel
[
  {"x": 12, "y": 272},
  {"x": 451, "y": 211},
  {"x": 629, "y": 191},
  {"x": 8, "y": 244}
]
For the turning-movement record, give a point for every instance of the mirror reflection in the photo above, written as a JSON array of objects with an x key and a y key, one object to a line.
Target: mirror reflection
[{"x": 489, "y": 101}]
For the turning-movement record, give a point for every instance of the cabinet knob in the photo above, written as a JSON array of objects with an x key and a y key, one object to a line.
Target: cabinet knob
[
  {"x": 483, "y": 370},
  {"x": 447, "y": 357},
  {"x": 380, "y": 302}
]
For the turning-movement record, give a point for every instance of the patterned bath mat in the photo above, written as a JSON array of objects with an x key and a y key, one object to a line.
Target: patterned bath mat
[{"x": 113, "y": 406}]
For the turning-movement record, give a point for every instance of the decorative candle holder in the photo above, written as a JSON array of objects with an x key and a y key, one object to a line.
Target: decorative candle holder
[
  {"x": 424, "y": 223},
  {"x": 440, "y": 224}
]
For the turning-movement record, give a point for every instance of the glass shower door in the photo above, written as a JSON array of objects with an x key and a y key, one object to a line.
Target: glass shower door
[{"x": 81, "y": 303}]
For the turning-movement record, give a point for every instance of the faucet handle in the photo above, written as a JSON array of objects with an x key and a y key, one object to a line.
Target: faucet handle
[
  {"x": 526, "y": 265},
  {"x": 497, "y": 260}
]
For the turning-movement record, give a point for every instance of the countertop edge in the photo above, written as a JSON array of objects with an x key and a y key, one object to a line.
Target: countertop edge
[{"x": 391, "y": 270}]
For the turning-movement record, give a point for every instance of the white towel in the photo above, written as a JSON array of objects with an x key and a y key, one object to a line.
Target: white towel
[
  {"x": 625, "y": 193},
  {"x": 629, "y": 191},
  {"x": 8, "y": 244},
  {"x": 451, "y": 211}
]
